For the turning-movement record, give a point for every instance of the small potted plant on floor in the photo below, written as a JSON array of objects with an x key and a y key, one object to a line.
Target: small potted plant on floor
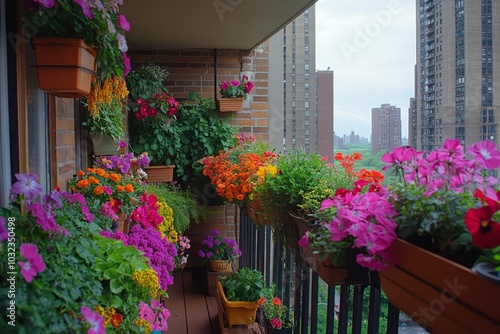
[
  {"x": 277, "y": 318},
  {"x": 219, "y": 252},
  {"x": 239, "y": 294}
]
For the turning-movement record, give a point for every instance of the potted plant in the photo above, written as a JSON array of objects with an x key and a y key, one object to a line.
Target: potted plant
[
  {"x": 233, "y": 171},
  {"x": 233, "y": 93},
  {"x": 100, "y": 29},
  {"x": 277, "y": 318},
  {"x": 446, "y": 205},
  {"x": 218, "y": 251},
  {"x": 239, "y": 294}
]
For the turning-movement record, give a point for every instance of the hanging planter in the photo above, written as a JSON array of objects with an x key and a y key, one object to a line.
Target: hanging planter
[
  {"x": 220, "y": 266},
  {"x": 230, "y": 104},
  {"x": 65, "y": 66},
  {"x": 104, "y": 145},
  {"x": 158, "y": 174},
  {"x": 440, "y": 295}
]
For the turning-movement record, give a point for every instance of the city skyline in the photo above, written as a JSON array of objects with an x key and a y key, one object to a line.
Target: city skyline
[{"x": 370, "y": 46}]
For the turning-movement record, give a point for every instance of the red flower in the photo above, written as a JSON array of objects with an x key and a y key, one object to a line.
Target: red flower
[{"x": 485, "y": 231}]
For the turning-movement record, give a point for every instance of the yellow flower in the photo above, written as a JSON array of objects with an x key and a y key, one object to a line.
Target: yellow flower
[
  {"x": 147, "y": 279},
  {"x": 144, "y": 324}
]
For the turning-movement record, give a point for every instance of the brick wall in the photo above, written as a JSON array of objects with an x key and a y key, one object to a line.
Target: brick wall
[
  {"x": 193, "y": 71},
  {"x": 65, "y": 149}
]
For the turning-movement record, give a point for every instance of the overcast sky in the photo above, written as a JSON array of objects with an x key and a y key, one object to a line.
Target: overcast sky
[{"x": 370, "y": 46}]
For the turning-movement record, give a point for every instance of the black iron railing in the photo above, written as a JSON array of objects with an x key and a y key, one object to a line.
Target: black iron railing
[{"x": 318, "y": 307}]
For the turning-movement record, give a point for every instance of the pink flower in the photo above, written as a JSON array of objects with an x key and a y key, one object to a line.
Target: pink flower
[
  {"x": 46, "y": 3},
  {"x": 85, "y": 8},
  {"x": 96, "y": 321},
  {"x": 34, "y": 265},
  {"x": 122, "y": 21},
  {"x": 224, "y": 85},
  {"x": 248, "y": 87},
  {"x": 276, "y": 323},
  {"x": 4, "y": 234},
  {"x": 126, "y": 64},
  {"x": 304, "y": 241},
  {"x": 486, "y": 154},
  {"x": 235, "y": 83}
]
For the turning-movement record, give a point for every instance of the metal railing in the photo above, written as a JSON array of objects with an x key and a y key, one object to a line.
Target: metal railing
[{"x": 318, "y": 307}]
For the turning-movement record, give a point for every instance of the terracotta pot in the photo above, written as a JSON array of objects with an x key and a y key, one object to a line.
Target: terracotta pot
[
  {"x": 157, "y": 174},
  {"x": 220, "y": 266},
  {"x": 65, "y": 66},
  {"x": 440, "y": 295},
  {"x": 123, "y": 223},
  {"x": 227, "y": 105},
  {"x": 237, "y": 313}
]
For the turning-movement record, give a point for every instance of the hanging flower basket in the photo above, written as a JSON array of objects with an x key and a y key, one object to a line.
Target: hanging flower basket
[
  {"x": 220, "y": 266},
  {"x": 440, "y": 295},
  {"x": 65, "y": 66},
  {"x": 230, "y": 104}
]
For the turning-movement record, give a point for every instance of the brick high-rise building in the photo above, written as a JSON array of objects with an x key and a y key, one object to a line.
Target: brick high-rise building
[
  {"x": 458, "y": 72},
  {"x": 386, "y": 128}
]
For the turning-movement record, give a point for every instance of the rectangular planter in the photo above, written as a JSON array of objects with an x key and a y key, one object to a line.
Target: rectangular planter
[
  {"x": 157, "y": 174},
  {"x": 237, "y": 313},
  {"x": 440, "y": 295},
  {"x": 65, "y": 66},
  {"x": 228, "y": 105}
]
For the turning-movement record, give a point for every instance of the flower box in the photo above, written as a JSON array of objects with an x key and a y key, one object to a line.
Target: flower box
[
  {"x": 65, "y": 66},
  {"x": 440, "y": 295},
  {"x": 157, "y": 174},
  {"x": 348, "y": 273},
  {"x": 237, "y": 313},
  {"x": 104, "y": 145},
  {"x": 230, "y": 104}
]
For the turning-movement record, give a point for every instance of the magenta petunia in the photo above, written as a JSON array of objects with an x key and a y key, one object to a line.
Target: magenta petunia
[
  {"x": 486, "y": 154},
  {"x": 122, "y": 21},
  {"x": 46, "y": 3},
  {"x": 34, "y": 263},
  {"x": 4, "y": 234},
  {"x": 27, "y": 186},
  {"x": 85, "y": 8},
  {"x": 96, "y": 321}
]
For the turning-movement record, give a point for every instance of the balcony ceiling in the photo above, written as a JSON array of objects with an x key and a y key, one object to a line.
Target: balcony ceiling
[{"x": 212, "y": 24}]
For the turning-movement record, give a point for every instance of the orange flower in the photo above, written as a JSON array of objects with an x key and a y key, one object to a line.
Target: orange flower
[
  {"x": 83, "y": 183},
  {"x": 261, "y": 301},
  {"x": 114, "y": 177},
  {"x": 93, "y": 180},
  {"x": 129, "y": 188},
  {"x": 98, "y": 190},
  {"x": 276, "y": 301},
  {"x": 120, "y": 188},
  {"x": 81, "y": 172}
]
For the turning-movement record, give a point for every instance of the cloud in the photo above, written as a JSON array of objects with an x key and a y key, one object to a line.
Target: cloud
[{"x": 370, "y": 45}]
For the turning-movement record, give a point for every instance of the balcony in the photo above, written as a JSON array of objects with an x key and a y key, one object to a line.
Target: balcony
[{"x": 319, "y": 307}]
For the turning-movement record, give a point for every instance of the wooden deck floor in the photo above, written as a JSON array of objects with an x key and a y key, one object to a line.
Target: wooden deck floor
[{"x": 192, "y": 310}]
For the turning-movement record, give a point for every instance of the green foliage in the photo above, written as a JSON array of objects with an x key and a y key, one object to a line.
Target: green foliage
[
  {"x": 244, "y": 285},
  {"x": 440, "y": 215},
  {"x": 146, "y": 80},
  {"x": 184, "y": 205},
  {"x": 196, "y": 133},
  {"x": 201, "y": 133}
]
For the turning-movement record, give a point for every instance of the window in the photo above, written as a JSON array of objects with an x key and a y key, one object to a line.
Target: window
[
  {"x": 306, "y": 67},
  {"x": 306, "y": 104}
]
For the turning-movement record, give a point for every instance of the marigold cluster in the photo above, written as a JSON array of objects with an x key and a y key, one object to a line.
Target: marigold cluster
[
  {"x": 144, "y": 324},
  {"x": 111, "y": 317},
  {"x": 233, "y": 180},
  {"x": 147, "y": 279}
]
